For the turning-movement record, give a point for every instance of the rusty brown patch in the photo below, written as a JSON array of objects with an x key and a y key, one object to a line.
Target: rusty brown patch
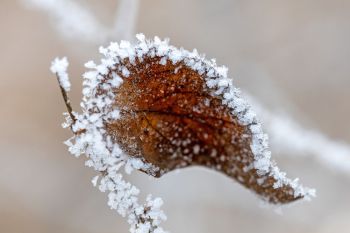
[{"x": 170, "y": 119}]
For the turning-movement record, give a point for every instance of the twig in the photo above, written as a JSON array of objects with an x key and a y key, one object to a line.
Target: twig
[
  {"x": 59, "y": 68},
  {"x": 66, "y": 100}
]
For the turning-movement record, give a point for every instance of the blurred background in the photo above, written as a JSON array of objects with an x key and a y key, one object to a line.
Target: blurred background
[{"x": 292, "y": 56}]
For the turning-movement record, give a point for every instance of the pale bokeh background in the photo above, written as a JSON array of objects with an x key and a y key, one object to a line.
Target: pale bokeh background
[{"x": 291, "y": 55}]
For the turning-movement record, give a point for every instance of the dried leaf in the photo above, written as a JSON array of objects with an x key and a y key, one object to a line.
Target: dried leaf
[{"x": 176, "y": 109}]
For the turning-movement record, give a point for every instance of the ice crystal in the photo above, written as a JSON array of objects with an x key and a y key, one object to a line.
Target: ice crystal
[{"x": 59, "y": 67}]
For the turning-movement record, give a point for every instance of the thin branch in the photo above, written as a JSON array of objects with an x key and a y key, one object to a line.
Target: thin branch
[
  {"x": 59, "y": 68},
  {"x": 66, "y": 100}
]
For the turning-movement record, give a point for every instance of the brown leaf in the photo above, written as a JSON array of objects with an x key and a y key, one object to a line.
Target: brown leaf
[{"x": 171, "y": 119}]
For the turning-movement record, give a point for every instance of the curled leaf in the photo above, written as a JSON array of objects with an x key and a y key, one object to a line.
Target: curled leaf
[{"x": 166, "y": 108}]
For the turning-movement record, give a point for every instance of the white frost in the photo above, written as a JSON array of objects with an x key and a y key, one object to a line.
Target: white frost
[{"x": 59, "y": 67}]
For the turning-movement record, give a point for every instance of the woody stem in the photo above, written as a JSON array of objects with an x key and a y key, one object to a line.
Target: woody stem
[{"x": 67, "y": 101}]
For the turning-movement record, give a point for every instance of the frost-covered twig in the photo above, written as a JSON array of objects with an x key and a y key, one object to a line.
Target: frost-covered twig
[
  {"x": 75, "y": 21},
  {"x": 292, "y": 139},
  {"x": 59, "y": 67}
]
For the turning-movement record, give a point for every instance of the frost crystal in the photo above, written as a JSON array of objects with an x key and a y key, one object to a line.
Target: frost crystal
[{"x": 59, "y": 67}]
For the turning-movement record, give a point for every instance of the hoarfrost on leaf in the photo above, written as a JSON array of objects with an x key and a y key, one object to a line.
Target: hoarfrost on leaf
[{"x": 108, "y": 130}]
